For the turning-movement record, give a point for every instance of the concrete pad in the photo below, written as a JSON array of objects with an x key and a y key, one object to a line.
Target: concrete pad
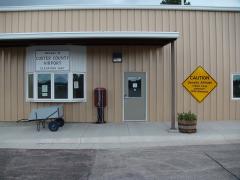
[{"x": 116, "y": 135}]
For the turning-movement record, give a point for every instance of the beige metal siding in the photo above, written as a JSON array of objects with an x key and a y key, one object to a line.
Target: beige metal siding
[{"x": 210, "y": 39}]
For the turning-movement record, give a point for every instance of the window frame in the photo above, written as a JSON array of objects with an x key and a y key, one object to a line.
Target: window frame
[
  {"x": 52, "y": 99},
  {"x": 234, "y": 98},
  {"x": 27, "y": 88}
]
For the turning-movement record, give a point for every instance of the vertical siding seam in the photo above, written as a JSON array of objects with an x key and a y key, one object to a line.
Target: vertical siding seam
[
  {"x": 51, "y": 14},
  {"x": 155, "y": 20},
  {"x": 196, "y": 17},
  {"x": 203, "y": 41},
  {"x": 44, "y": 22},
  {"x": 71, "y": 12},
  {"x": 184, "y": 91},
  {"x": 148, "y": 18},
  {"x": 4, "y": 23},
  {"x": 37, "y": 20},
  {"x": 176, "y": 60},
  {"x": 127, "y": 20},
  {"x": 58, "y": 22},
  {"x": 120, "y": 18},
  {"x": 229, "y": 67},
  {"x": 223, "y": 90},
  {"x": 156, "y": 91},
  {"x": 210, "y": 99},
  {"x": 31, "y": 27},
  {"x": 3, "y": 82},
  {"x": 210, "y": 64},
  {"x": 190, "y": 56},
  {"x": 216, "y": 39},
  {"x": 11, "y": 22},
  {"x": 10, "y": 84},
  {"x": 18, "y": 22},
  {"x": 235, "y": 22},
  {"x": 17, "y": 82},
  {"x": 134, "y": 19},
  {"x": 79, "y": 20}
]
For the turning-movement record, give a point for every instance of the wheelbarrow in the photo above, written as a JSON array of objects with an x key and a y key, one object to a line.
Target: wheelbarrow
[{"x": 53, "y": 114}]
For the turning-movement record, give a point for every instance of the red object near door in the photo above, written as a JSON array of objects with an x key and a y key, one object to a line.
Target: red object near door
[{"x": 100, "y": 97}]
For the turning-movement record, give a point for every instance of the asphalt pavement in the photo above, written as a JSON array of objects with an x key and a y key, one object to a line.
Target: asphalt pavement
[{"x": 205, "y": 162}]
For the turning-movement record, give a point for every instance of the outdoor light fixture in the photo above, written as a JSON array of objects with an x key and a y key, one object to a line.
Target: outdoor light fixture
[{"x": 117, "y": 57}]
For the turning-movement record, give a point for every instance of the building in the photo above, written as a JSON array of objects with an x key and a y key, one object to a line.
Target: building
[{"x": 58, "y": 55}]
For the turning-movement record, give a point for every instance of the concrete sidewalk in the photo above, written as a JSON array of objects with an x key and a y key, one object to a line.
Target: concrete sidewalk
[{"x": 111, "y": 135}]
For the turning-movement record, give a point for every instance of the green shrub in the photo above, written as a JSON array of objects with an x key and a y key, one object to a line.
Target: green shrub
[{"x": 187, "y": 116}]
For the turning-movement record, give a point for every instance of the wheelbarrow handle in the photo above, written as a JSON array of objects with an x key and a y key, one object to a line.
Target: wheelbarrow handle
[{"x": 22, "y": 120}]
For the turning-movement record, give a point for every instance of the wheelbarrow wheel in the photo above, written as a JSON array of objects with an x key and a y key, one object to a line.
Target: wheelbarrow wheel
[
  {"x": 60, "y": 122},
  {"x": 53, "y": 126}
]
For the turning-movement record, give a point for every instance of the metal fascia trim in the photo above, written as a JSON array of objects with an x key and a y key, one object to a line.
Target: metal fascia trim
[
  {"x": 77, "y": 6},
  {"x": 86, "y": 35}
]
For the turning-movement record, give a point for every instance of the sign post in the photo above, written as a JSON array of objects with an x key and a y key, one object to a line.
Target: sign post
[{"x": 199, "y": 84}]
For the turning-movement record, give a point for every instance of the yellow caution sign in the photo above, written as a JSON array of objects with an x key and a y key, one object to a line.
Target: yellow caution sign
[{"x": 199, "y": 84}]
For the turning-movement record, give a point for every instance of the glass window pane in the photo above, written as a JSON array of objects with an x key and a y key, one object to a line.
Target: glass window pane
[
  {"x": 44, "y": 86},
  {"x": 30, "y": 86},
  {"x": 134, "y": 86},
  {"x": 61, "y": 86},
  {"x": 236, "y": 86},
  {"x": 78, "y": 86}
]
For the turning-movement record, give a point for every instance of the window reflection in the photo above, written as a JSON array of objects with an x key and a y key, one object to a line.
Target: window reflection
[{"x": 61, "y": 86}]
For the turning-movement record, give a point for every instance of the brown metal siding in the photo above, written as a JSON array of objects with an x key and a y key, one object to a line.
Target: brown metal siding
[{"x": 209, "y": 39}]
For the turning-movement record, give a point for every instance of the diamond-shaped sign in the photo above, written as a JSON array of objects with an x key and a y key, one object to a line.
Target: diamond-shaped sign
[{"x": 199, "y": 84}]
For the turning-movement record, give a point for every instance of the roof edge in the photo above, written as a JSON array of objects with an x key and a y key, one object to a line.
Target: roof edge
[
  {"x": 76, "y": 7},
  {"x": 85, "y": 35}
]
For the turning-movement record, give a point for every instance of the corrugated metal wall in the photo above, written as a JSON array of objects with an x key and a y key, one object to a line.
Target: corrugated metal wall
[{"x": 209, "y": 39}]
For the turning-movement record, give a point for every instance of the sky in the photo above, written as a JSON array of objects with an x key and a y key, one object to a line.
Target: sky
[{"x": 225, "y": 3}]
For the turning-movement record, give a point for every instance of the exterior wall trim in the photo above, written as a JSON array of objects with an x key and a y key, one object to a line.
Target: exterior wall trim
[
  {"x": 87, "y": 35},
  {"x": 149, "y": 7}
]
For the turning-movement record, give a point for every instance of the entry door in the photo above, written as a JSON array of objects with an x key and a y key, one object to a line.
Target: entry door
[{"x": 134, "y": 96}]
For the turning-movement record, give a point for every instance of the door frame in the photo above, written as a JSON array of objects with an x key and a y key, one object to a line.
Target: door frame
[{"x": 146, "y": 86}]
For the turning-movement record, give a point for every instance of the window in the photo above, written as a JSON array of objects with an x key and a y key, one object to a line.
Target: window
[
  {"x": 78, "y": 86},
  {"x": 134, "y": 86},
  {"x": 236, "y": 86},
  {"x": 56, "y": 87},
  {"x": 44, "y": 86},
  {"x": 56, "y": 73}
]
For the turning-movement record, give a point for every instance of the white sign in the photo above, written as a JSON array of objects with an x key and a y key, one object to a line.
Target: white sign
[
  {"x": 76, "y": 85},
  {"x": 52, "y": 60},
  {"x": 135, "y": 85},
  {"x": 45, "y": 88}
]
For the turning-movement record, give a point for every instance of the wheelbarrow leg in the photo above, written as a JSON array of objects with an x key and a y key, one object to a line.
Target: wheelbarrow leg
[
  {"x": 38, "y": 125},
  {"x": 43, "y": 124}
]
